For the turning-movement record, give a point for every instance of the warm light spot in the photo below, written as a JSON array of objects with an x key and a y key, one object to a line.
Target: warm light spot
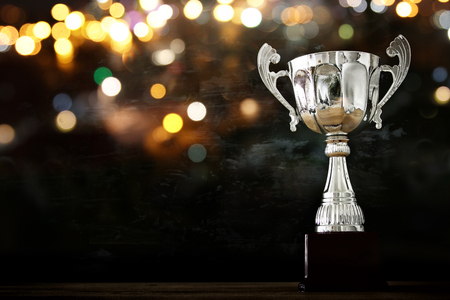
[
  {"x": 6, "y": 134},
  {"x": 62, "y": 102},
  {"x": 354, "y": 3},
  {"x": 414, "y": 10},
  {"x": 123, "y": 46},
  {"x": 117, "y": 10},
  {"x": 101, "y": 74},
  {"x": 37, "y": 46},
  {"x": 255, "y": 3},
  {"x": 160, "y": 134},
  {"x": 156, "y": 20},
  {"x": 388, "y": 2},
  {"x": 251, "y": 17},
  {"x": 26, "y": 29},
  {"x": 177, "y": 46},
  {"x": 158, "y": 91},
  {"x": 166, "y": 11},
  {"x": 42, "y": 30},
  {"x": 225, "y": 1},
  {"x": 63, "y": 47},
  {"x": 74, "y": 20},
  {"x": 163, "y": 57},
  {"x": 443, "y": 1},
  {"x": 66, "y": 121},
  {"x": 148, "y": 5},
  {"x": 141, "y": 29},
  {"x": 107, "y": 22},
  {"x": 111, "y": 86},
  {"x": 346, "y": 31},
  {"x": 95, "y": 32},
  {"x": 104, "y": 4},
  {"x": 442, "y": 95},
  {"x": 193, "y": 9},
  {"x": 172, "y": 123},
  {"x": 223, "y": 13},
  {"x": 403, "y": 9},
  {"x": 25, "y": 45},
  {"x": 119, "y": 31},
  {"x": 4, "y": 42},
  {"x": 197, "y": 153},
  {"x": 12, "y": 34},
  {"x": 249, "y": 107},
  {"x": 196, "y": 111},
  {"x": 60, "y": 31},
  {"x": 60, "y": 12}
]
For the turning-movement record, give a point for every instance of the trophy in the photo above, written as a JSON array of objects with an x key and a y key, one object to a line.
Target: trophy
[{"x": 336, "y": 92}]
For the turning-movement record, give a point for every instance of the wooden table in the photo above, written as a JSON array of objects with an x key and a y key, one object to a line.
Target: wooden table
[{"x": 211, "y": 290}]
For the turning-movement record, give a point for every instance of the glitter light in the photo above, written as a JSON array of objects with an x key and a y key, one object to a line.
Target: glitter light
[
  {"x": 111, "y": 86},
  {"x": 66, "y": 121},
  {"x": 25, "y": 45},
  {"x": 60, "y": 12},
  {"x": 148, "y": 5},
  {"x": 403, "y": 9},
  {"x": 196, "y": 111},
  {"x": 442, "y": 95},
  {"x": 63, "y": 47},
  {"x": 74, "y": 20},
  {"x": 158, "y": 91},
  {"x": 193, "y": 9},
  {"x": 172, "y": 123},
  {"x": 42, "y": 30},
  {"x": 251, "y": 17},
  {"x": 60, "y": 31},
  {"x": 197, "y": 153},
  {"x": 249, "y": 107},
  {"x": 119, "y": 31},
  {"x": 6, "y": 134},
  {"x": 346, "y": 31},
  {"x": 116, "y": 10},
  {"x": 223, "y": 13}
]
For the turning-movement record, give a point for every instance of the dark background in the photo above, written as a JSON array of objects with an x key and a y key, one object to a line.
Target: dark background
[{"x": 96, "y": 204}]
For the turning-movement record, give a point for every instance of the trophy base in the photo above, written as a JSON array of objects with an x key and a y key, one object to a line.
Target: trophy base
[{"x": 342, "y": 261}]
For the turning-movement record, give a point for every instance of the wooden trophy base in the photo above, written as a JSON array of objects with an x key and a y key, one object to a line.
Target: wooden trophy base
[{"x": 342, "y": 261}]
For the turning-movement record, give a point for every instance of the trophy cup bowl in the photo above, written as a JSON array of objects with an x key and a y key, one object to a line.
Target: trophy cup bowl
[{"x": 335, "y": 93}]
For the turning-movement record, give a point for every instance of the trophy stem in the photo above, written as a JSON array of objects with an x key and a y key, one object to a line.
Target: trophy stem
[{"x": 339, "y": 211}]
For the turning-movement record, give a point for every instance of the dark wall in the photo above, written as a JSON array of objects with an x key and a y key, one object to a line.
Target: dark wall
[{"x": 99, "y": 203}]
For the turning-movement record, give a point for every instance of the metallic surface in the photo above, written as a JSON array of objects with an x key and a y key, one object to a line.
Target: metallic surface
[{"x": 336, "y": 92}]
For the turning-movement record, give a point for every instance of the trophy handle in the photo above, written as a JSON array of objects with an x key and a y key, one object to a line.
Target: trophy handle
[
  {"x": 267, "y": 55},
  {"x": 398, "y": 47}
]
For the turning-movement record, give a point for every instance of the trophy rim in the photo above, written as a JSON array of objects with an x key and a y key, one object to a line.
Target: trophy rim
[{"x": 333, "y": 52}]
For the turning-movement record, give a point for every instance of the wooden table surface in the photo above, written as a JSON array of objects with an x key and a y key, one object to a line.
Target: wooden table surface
[{"x": 211, "y": 290}]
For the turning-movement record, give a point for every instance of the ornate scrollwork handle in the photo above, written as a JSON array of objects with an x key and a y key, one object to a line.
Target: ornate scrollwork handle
[
  {"x": 267, "y": 55},
  {"x": 398, "y": 47}
]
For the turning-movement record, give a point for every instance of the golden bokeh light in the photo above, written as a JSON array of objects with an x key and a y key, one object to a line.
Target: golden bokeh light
[
  {"x": 442, "y": 95},
  {"x": 7, "y": 134},
  {"x": 116, "y": 10},
  {"x": 25, "y": 45},
  {"x": 122, "y": 46},
  {"x": 42, "y": 30},
  {"x": 60, "y": 12},
  {"x": 4, "y": 42},
  {"x": 388, "y": 2},
  {"x": 158, "y": 91},
  {"x": 156, "y": 20},
  {"x": 166, "y": 11},
  {"x": 163, "y": 57},
  {"x": 104, "y": 4},
  {"x": 196, "y": 111},
  {"x": 249, "y": 107},
  {"x": 66, "y": 121},
  {"x": 74, "y": 20},
  {"x": 111, "y": 86},
  {"x": 63, "y": 47},
  {"x": 143, "y": 32},
  {"x": 119, "y": 31},
  {"x": 255, "y": 3},
  {"x": 95, "y": 31},
  {"x": 160, "y": 135},
  {"x": 251, "y": 17},
  {"x": 60, "y": 31},
  {"x": 225, "y": 1},
  {"x": 12, "y": 33},
  {"x": 223, "y": 12},
  {"x": 193, "y": 9},
  {"x": 403, "y": 9},
  {"x": 148, "y": 5},
  {"x": 107, "y": 22},
  {"x": 172, "y": 123},
  {"x": 26, "y": 30}
]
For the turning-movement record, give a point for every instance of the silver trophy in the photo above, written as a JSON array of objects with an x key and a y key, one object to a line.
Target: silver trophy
[{"x": 335, "y": 92}]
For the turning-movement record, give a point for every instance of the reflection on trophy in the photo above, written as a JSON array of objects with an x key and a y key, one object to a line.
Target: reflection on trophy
[{"x": 335, "y": 93}]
